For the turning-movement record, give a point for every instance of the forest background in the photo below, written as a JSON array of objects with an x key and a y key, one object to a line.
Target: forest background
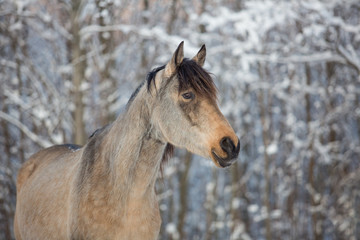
[{"x": 288, "y": 78}]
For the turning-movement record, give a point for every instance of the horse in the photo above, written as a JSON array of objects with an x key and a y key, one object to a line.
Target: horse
[{"x": 106, "y": 189}]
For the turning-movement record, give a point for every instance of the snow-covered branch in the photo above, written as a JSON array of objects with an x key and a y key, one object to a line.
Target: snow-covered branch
[
  {"x": 350, "y": 56},
  {"x": 326, "y": 56},
  {"x": 35, "y": 138},
  {"x": 144, "y": 31}
]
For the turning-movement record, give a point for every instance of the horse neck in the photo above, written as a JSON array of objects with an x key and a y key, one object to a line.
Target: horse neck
[{"x": 135, "y": 152}]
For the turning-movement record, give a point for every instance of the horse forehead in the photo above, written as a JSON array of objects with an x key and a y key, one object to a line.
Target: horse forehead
[{"x": 210, "y": 105}]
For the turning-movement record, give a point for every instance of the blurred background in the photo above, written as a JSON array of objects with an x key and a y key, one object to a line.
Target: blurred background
[{"x": 288, "y": 78}]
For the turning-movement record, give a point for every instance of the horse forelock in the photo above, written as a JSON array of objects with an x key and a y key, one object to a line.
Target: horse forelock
[{"x": 190, "y": 75}]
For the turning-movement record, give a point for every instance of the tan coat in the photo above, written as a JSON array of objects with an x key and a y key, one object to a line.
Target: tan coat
[{"x": 106, "y": 189}]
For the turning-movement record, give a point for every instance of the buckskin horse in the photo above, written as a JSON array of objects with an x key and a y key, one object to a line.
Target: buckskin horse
[{"x": 106, "y": 189}]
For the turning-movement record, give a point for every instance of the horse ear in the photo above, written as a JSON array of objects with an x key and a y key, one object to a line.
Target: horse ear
[
  {"x": 176, "y": 60},
  {"x": 199, "y": 58}
]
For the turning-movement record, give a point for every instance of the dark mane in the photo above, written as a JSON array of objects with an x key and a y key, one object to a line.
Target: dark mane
[
  {"x": 90, "y": 154},
  {"x": 189, "y": 74},
  {"x": 168, "y": 153},
  {"x": 134, "y": 94},
  {"x": 151, "y": 76}
]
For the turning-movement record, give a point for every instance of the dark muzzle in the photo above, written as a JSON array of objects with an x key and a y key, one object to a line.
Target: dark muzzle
[{"x": 232, "y": 152}]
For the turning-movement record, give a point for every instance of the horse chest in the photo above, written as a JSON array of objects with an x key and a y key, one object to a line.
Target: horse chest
[{"x": 137, "y": 220}]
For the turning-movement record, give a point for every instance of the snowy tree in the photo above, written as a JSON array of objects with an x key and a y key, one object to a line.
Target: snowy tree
[{"x": 288, "y": 79}]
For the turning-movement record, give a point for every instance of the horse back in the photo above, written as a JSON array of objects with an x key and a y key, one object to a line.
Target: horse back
[{"x": 41, "y": 158}]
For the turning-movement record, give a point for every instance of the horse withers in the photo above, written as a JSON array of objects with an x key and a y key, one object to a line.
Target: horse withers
[{"x": 106, "y": 189}]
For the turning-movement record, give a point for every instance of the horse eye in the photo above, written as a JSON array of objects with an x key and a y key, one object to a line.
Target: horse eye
[{"x": 188, "y": 95}]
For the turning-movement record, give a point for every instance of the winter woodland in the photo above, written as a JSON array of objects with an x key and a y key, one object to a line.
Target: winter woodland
[{"x": 288, "y": 74}]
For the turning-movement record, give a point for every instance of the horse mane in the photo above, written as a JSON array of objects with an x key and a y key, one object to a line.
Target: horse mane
[
  {"x": 97, "y": 131},
  {"x": 189, "y": 74},
  {"x": 168, "y": 153},
  {"x": 151, "y": 76}
]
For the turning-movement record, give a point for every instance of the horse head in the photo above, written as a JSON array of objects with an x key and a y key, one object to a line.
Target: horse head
[{"x": 185, "y": 110}]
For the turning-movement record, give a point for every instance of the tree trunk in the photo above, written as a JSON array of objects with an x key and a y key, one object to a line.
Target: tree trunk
[
  {"x": 107, "y": 48},
  {"x": 210, "y": 205},
  {"x": 183, "y": 195},
  {"x": 173, "y": 16},
  {"x": 78, "y": 77},
  {"x": 312, "y": 164},
  {"x": 265, "y": 122}
]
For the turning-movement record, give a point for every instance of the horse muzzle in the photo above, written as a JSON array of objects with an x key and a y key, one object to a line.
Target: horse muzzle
[{"x": 232, "y": 152}]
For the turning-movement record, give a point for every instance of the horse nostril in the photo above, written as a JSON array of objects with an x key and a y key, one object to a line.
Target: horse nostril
[
  {"x": 227, "y": 145},
  {"x": 232, "y": 151}
]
